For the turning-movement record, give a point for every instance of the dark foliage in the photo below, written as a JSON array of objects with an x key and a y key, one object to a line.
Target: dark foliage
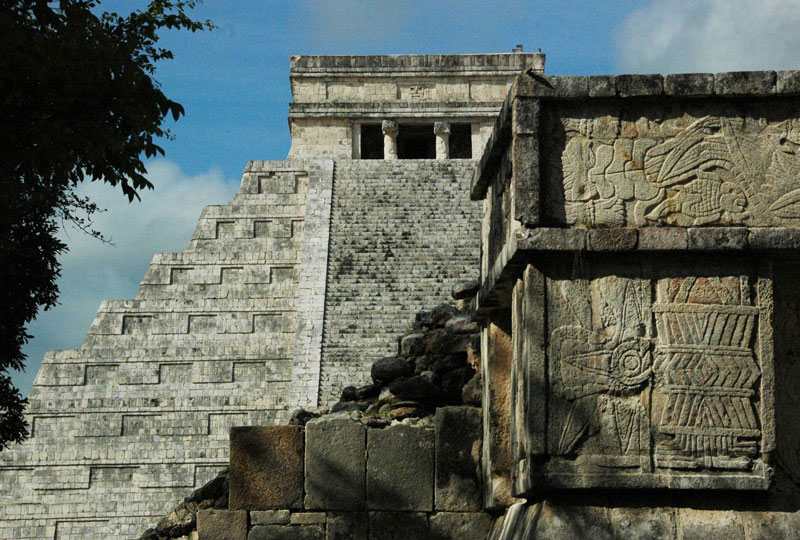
[{"x": 78, "y": 102}]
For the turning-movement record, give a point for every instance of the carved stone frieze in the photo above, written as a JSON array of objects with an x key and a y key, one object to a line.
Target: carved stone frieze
[
  {"x": 653, "y": 378},
  {"x": 716, "y": 165}
]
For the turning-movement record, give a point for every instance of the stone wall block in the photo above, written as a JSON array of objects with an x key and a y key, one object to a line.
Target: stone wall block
[
  {"x": 642, "y": 523},
  {"x": 770, "y": 525},
  {"x": 287, "y": 532},
  {"x": 335, "y": 464},
  {"x": 458, "y": 448},
  {"x": 717, "y": 238},
  {"x": 460, "y": 525},
  {"x": 616, "y": 239},
  {"x": 553, "y": 86},
  {"x": 704, "y": 524},
  {"x": 557, "y": 522},
  {"x": 222, "y": 525},
  {"x": 269, "y": 517},
  {"x": 744, "y": 83},
  {"x": 400, "y": 467},
  {"x": 602, "y": 86},
  {"x": 552, "y": 239},
  {"x": 347, "y": 526},
  {"x": 266, "y": 470},
  {"x": 639, "y": 85},
  {"x": 689, "y": 84},
  {"x": 399, "y": 526},
  {"x": 663, "y": 238},
  {"x": 788, "y": 82}
]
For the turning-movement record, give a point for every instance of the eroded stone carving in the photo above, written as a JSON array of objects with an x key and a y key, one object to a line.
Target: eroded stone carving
[
  {"x": 685, "y": 171},
  {"x": 706, "y": 365},
  {"x": 654, "y": 378}
]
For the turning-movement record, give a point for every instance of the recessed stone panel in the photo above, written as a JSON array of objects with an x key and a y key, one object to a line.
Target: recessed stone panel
[{"x": 656, "y": 376}]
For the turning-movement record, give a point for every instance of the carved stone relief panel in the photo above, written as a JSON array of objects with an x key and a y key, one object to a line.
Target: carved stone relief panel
[
  {"x": 655, "y": 378},
  {"x": 700, "y": 164}
]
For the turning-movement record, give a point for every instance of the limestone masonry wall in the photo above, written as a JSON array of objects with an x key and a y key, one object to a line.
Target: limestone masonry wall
[
  {"x": 139, "y": 415},
  {"x": 401, "y": 234}
]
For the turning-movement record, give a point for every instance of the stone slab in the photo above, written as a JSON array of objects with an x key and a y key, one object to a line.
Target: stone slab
[
  {"x": 689, "y": 84},
  {"x": 399, "y": 526},
  {"x": 287, "y": 532},
  {"x": 307, "y": 518},
  {"x": 222, "y": 525},
  {"x": 743, "y": 83},
  {"x": 335, "y": 464},
  {"x": 266, "y": 470},
  {"x": 460, "y": 525},
  {"x": 269, "y": 517},
  {"x": 458, "y": 450},
  {"x": 347, "y": 526},
  {"x": 642, "y": 523},
  {"x": 695, "y": 524},
  {"x": 556, "y": 522},
  {"x": 717, "y": 238},
  {"x": 400, "y": 468},
  {"x": 614, "y": 239},
  {"x": 640, "y": 85}
]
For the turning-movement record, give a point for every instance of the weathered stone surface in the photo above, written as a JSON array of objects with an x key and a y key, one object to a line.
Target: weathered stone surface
[
  {"x": 689, "y": 84},
  {"x": 335, "y": 464},
  {"x": 770, "y": 525},
  {"x": 388, "y": 369},
  {"x": 460, "y": 525},
  {"x": 307, "y": 518},
  {"x": 773, "y": 238},
  {"x": 443, "y": 342},
  {"x": 788, "y": 82},
  {"x": 639, "y": 85},
  {"x": 602, "y": 86},
  {"x": 400, "y": 468},
  {"x": 462, "y": 325},
  {"x": 717, "y": 238},
  {"x": 179, "y": 521},
  {"x": 412, "y": 345},
  {"x": 398, "y": 526},
  {"x": 707, "y": 155},
  {"x": 287, "y": 532},
  {"x": 666, "y": 238},
  {"x": 742, "y": 83},
  {"x": 269, "y": 517},
  {"x": 616, "y": 239},
  {"x": 345, "y": 406},
  {"x": 694, "y": 524},
  {"x": 222, "y": 525},
  {"x": 441, "y": 314},
  {"x": 617, "y": 420},
  {"x": 552, "y": 239},
  {"x": 642, "y": 523},
  {"x": 347, "y": 526},
  {"x": 534, "y": 85},
  {"x": 266, "y": 470},
  {"x": 348, "y": 394},
  {"x": 367, "y": 391},
  {"x": 471, "y": 393},
  {"x": 453, "y": 383},
  {"x": 557, "y": 522},
  {"x": 458, "y": 449},
  {"x": 464, "y": 290},
  {"x": 418, "y": 387}
]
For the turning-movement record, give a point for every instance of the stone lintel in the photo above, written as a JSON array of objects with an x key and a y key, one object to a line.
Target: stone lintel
[{"x": 426, "y": 64}]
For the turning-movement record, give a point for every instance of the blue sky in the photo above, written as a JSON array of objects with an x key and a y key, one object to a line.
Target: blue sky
[{"x": 233, "y": 83}]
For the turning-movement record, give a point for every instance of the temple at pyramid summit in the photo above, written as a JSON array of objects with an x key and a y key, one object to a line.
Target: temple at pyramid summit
[{"x": 476, "y": 301}]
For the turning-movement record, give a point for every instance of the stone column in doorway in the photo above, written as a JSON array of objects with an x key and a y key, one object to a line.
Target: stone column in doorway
[
  {"x": 390, "y": 129},
  {"x": 442, "y": 131}
]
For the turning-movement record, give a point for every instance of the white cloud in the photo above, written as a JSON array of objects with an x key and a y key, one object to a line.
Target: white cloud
[
  {"x": 673, "y": 36},
  {"x": 163, "y": 220}
]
